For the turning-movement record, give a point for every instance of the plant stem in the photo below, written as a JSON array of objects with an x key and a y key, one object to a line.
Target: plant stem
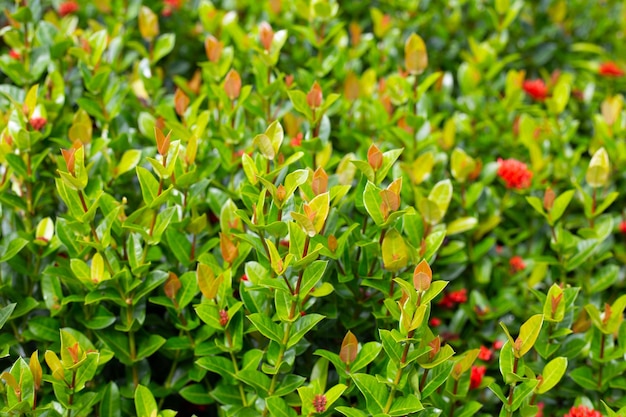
[
  {"x": 399, "y": 372},
  {"x": 602, "y": 341},
  {"x": 512, "y": 389}
]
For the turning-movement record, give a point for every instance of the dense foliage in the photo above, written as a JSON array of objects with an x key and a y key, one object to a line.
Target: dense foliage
[{"x": 297, "y": 208}]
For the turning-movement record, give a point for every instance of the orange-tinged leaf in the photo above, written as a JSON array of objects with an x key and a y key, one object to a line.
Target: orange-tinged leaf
[
  {"x": 229, "y": 249},
  {"x": 374, "y": 157},
  {"x": 162, "y": 141},
  {"x": 548, "y": 199},
  {"x": 213, "y": 48},
  {"x": 266, "y": 35},
  {"x": 332, "y": 243},
  {"x": 70, "y": 161},
  {"x": 315, "y": 97},
  {"x": 207, "y": 282},
  {"x": 391, "y": 199},
  {"x": 172, "y": 286},
  {"x": 320, "y": 181},
  {"x": 395, "y": 253},
  {"x": 232, "y": 84},
  {"x": 349, "y": 348},
  {"x": 396, "y": 186},
  {"x": 10, "y": 381},
  {"x": 351, "y": 88},
  {"x": 422, "y": 276},
  {"x": 181, "y": 102}
]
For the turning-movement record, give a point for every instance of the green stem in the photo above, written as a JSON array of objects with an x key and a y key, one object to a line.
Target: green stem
[{"x": 602, "y": 342}]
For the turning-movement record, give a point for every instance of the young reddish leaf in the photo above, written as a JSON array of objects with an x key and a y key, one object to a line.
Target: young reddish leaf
[
  {"x": 229, "y": 249},
  {"x": 349, "y": 348},
  {"x": 232, "y": 84},
  {"x": 266, "y": 35},
  {"x": 332, "y": 243},
  {"x": 320, "y": 181},
  {"x": 70, "y": 161},
  {"x": 422, "y": 276},
  {"x": 548, "y": 199},
  {"x": 213, "y": 48},
  {"x": 314, "y": 97},
  {"x": 162, "y": 141},
  {"x": 207, "y": 282},
  {"x": 181, "y": 102},
  {"x": 172, "y": 286},
  {"x": 374, "y": 157}
]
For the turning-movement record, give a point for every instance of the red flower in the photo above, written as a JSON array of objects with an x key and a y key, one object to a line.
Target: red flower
[
  {"x": 14, "y": 54},
  {"x": 540, "y": 412},
  {"x": 38, "y": 123},
  {"x": 610, "y": 69},
  {"x": 297, "y": 140},
  {"x": 582, "y": 411},
  {"x": 434, "y": 322},
  {"x": 515, "y": 173},
  {"x": 169, "y": 6},
  {"x": 244, "y": 277},
  {"x": 450, "y": 299},
  {"x": 517, "y": 263},
  {"x": 459, "y": 296},
  {"x": 223, "y": 318},
  {"x": 536, "y": 89},
  {"x": 319, "y": 403},
  {"x": 68, "y": 7},
  {"x": 497, "y": 345},
  {"x": 622, "y": 227},
  {"x": 476, "y": 377},
  {"x": 485, "y": 354}
]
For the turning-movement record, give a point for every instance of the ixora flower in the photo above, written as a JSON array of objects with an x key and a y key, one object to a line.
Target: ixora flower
[
  {"x": 476, "y": 376},
  {"x": 610, "y": 69},
  {"x": 514, "y": 173},
  {"x": 169, "y": 6},
  {"x": 485, "y": 353},
  {"x": 68, "y": 7},
  {"x": 537, "y": 89},
  {"x": 14, "y": 54},
  {"x": 38, "y": 123},
  {"x": 582, "y": 411},
  {"x": 622, "y": 227},
  {"x": 517, "y": 264},
  {"x": 452, "y": 298}
]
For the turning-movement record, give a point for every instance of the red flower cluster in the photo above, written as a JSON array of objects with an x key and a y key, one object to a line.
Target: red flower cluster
[
  {"x": 515, "y": 173},
  {"x": 610, "y": 69},
  {"x": 434, "y": 322},
  {"x": 476, "y": 377},
  {"x": 319, "y": 403},
  {"x": 38, "y": 123},
  {"x": 169, "y": 6},
  {"x": 68, "y": 7},
  {"x": 497, "y": 345},
  {"x": 450, "y": 299},
  {"x": 297, "y": 140},
  {"x": 537, "y": 89},
  {"x": 517, "y": 264},
  {"x": 540, "y": 412},
  {"x": 485, "y": 353},
  {"x": 582, "y": 411},
  {"x": 14, "y": 54},
  {"x": 622, "y": 227}
]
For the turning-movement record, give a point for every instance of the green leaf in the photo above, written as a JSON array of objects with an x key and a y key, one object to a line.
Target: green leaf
[
  {"x": 298, "y": 99},
  {"x": 196, "y": 394},
  {"x": 392, "y": 348},
  {"x": 560, "y": 205},
  {"x": 5, "y": 313},
  {"x": 441, "y": 194},
  {"x": 351, "y": 412},
  {"x": 279, "y": 408},
  {"x": 149, "y": 185},
  {"x": 163, "y": 46},
  {"x": 372, "y": 201},
  {"x": 430, "y": 211},
  {"x": 150, "y": 346},
  {"x": 13, "y": 248},
  {"x": 375, "y": 393},
  {"x": 529, "y": 332},
  {"x": 584, "y": 249},
  {"x": 522, "y": 391},
  {"x": 110, "y": 405},
  {"x": 267, "y": 327},
  {"x": 302, "y": 326},
  {"x": 311, "y": 276},
  {"x": 460, "y": 225},
  {"x": 552, "y": 374},
  {"x": 405, "y": 405},
  {"x": 537, "y": 204},
  {"x": 366, "y": 355},
  {"x": 145, "y": 404}
]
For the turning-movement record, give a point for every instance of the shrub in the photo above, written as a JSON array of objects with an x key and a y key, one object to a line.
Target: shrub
[{"x": 309, "y": 208}]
